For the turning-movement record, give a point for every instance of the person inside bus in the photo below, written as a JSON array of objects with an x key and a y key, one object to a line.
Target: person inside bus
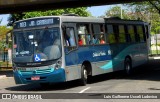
[
  {"x": 88, "y": 39},
  {"x": 102, "y": 39},
  {"x": 66, "y": 39},
  {"x": 80, "y": 40},
  {"x": 83, "y": 39},
  {"x": 23, "y": 45},
  {"x": 46, "y": 40},
  {"x": 72, "y": 38},
  {"x": 53, "y": 51},
  {"x": 95, "y": 40},
  {"x": 56, "y": 40}
]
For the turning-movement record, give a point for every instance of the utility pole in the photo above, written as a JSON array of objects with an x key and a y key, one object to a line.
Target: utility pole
[
  {"x": 121, "y": 12},
  {"x": 156, "y": 45}
]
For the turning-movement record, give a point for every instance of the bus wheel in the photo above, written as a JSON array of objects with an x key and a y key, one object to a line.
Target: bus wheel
[
  {"x": 83, "y": 80},
  {"x": 128, "y": 66}
]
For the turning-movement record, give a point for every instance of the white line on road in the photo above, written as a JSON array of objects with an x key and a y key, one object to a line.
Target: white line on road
[
  {"x": 156, "y": 57},
  {"x": 84, "y": 89}
]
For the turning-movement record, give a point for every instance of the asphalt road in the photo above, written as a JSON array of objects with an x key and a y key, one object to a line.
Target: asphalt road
[{"x": 145, "y": 79}]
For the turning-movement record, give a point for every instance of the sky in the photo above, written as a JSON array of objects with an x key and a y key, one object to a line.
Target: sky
[{"x": 95, "y": 11}]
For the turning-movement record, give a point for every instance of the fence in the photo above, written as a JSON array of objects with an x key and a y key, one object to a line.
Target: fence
[
  {"x": 155, "y": 45},
  {"x": 5, "y": 60}
]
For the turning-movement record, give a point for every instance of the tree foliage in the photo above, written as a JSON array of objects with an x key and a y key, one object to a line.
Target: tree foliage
[
  {"x": 145, "y": 11},
  {"x": 116, "y": 11},
  {"x": 3, "y": 32},
  {"x": 81, "y": 11},
  {"x": 155, "y": 4},
  {"x": 148, "y": 11}
]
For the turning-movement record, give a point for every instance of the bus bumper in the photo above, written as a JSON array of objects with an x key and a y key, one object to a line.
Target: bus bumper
[{"x": 56, "y": 76}]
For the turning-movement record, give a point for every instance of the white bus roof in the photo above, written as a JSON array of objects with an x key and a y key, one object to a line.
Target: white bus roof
[{"x": 90, "y": 20}]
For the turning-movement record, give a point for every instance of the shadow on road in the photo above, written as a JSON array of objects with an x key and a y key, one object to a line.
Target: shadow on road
[
  {"x": 150, "y": 71},
  {"x": 51, "y": 87},
  {"x": 8, "y": 73}
]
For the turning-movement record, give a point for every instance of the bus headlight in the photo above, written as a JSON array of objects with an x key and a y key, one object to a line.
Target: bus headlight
[{"x": 58, "y": 64}]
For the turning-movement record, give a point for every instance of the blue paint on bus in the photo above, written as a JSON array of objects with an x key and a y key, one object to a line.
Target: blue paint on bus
[
  {"x": 58, "y": 75},
  {"x": 88, "y": 53}
]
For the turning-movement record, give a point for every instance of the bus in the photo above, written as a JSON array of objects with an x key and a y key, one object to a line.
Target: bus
[{"x": 53, "y": 49}]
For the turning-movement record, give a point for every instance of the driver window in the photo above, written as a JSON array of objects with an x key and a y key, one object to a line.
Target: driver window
[{"x": 70, "y": 37}]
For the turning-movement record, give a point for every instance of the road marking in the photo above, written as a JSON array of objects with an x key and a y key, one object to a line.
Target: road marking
[
  {"x": 156, "y": 57},
  {"x": 84, "y": 89}
]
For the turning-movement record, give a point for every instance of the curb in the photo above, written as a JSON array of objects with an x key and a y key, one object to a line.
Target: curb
[
  {"x": 156, "y": 57},
  {"x": 2, "y": 76}
]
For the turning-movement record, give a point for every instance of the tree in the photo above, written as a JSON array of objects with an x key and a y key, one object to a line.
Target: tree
[
  {"x": 145, "y": 11},
  {"x": 81, "y": 11},
  {"x": 114, "y": 12},
  {"x": 117, "y": 11},
  {"x": 14, "y": 17},
  {"x": 3, "y": 32},
  {"x": 155, "y": 4},
  {"x": 148, "y": 11}
]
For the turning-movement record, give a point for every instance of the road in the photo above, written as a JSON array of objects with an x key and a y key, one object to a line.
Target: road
[{"x": 145, "y": 79}]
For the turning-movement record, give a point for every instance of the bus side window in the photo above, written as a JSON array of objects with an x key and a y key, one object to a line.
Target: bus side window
[
  {"x": 110, "y": 34},
  {"x": 136, "y": 34},
  {"x": 69, "y": 37},
  {"x": 140, "y": 32},
  {"x": 98, "y": 34},
  {"x": 122, "y": 38},
  {"x": 102, "y": 36},
  {"x": 116, "y": 33},
  {"x": 84, "y": 36},
  {"x": 131, "y": 33}
]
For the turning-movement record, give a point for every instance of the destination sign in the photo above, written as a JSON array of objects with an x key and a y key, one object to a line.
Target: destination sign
[{"x": 36, "y": 22}]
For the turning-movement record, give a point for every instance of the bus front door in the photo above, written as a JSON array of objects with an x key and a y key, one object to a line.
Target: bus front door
[{"x": 70, "y": 52}]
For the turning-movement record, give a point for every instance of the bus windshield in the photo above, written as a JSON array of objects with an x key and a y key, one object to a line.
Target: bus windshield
[{"x": 36, "y": 45}]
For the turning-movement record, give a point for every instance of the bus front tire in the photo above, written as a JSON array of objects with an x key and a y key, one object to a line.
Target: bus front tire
[
  {"x": 128, "y": 66},
  {"x": 83, "y": 80}
]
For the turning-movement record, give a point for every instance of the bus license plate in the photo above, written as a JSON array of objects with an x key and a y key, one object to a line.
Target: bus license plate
[{"x": 35, "y": 78}]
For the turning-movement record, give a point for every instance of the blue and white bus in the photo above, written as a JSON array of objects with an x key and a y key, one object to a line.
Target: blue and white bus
[{"x": 54, "y": 49}]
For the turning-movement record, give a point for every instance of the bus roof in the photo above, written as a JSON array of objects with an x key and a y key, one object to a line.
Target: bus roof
[
  {"x": 123, "y": 21},
  {"x": 35, "y": 18},
  {"x": 90, "y": 20},
  {"x": 81, "y": 19},
  {"x": 70, "y": 19}
]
